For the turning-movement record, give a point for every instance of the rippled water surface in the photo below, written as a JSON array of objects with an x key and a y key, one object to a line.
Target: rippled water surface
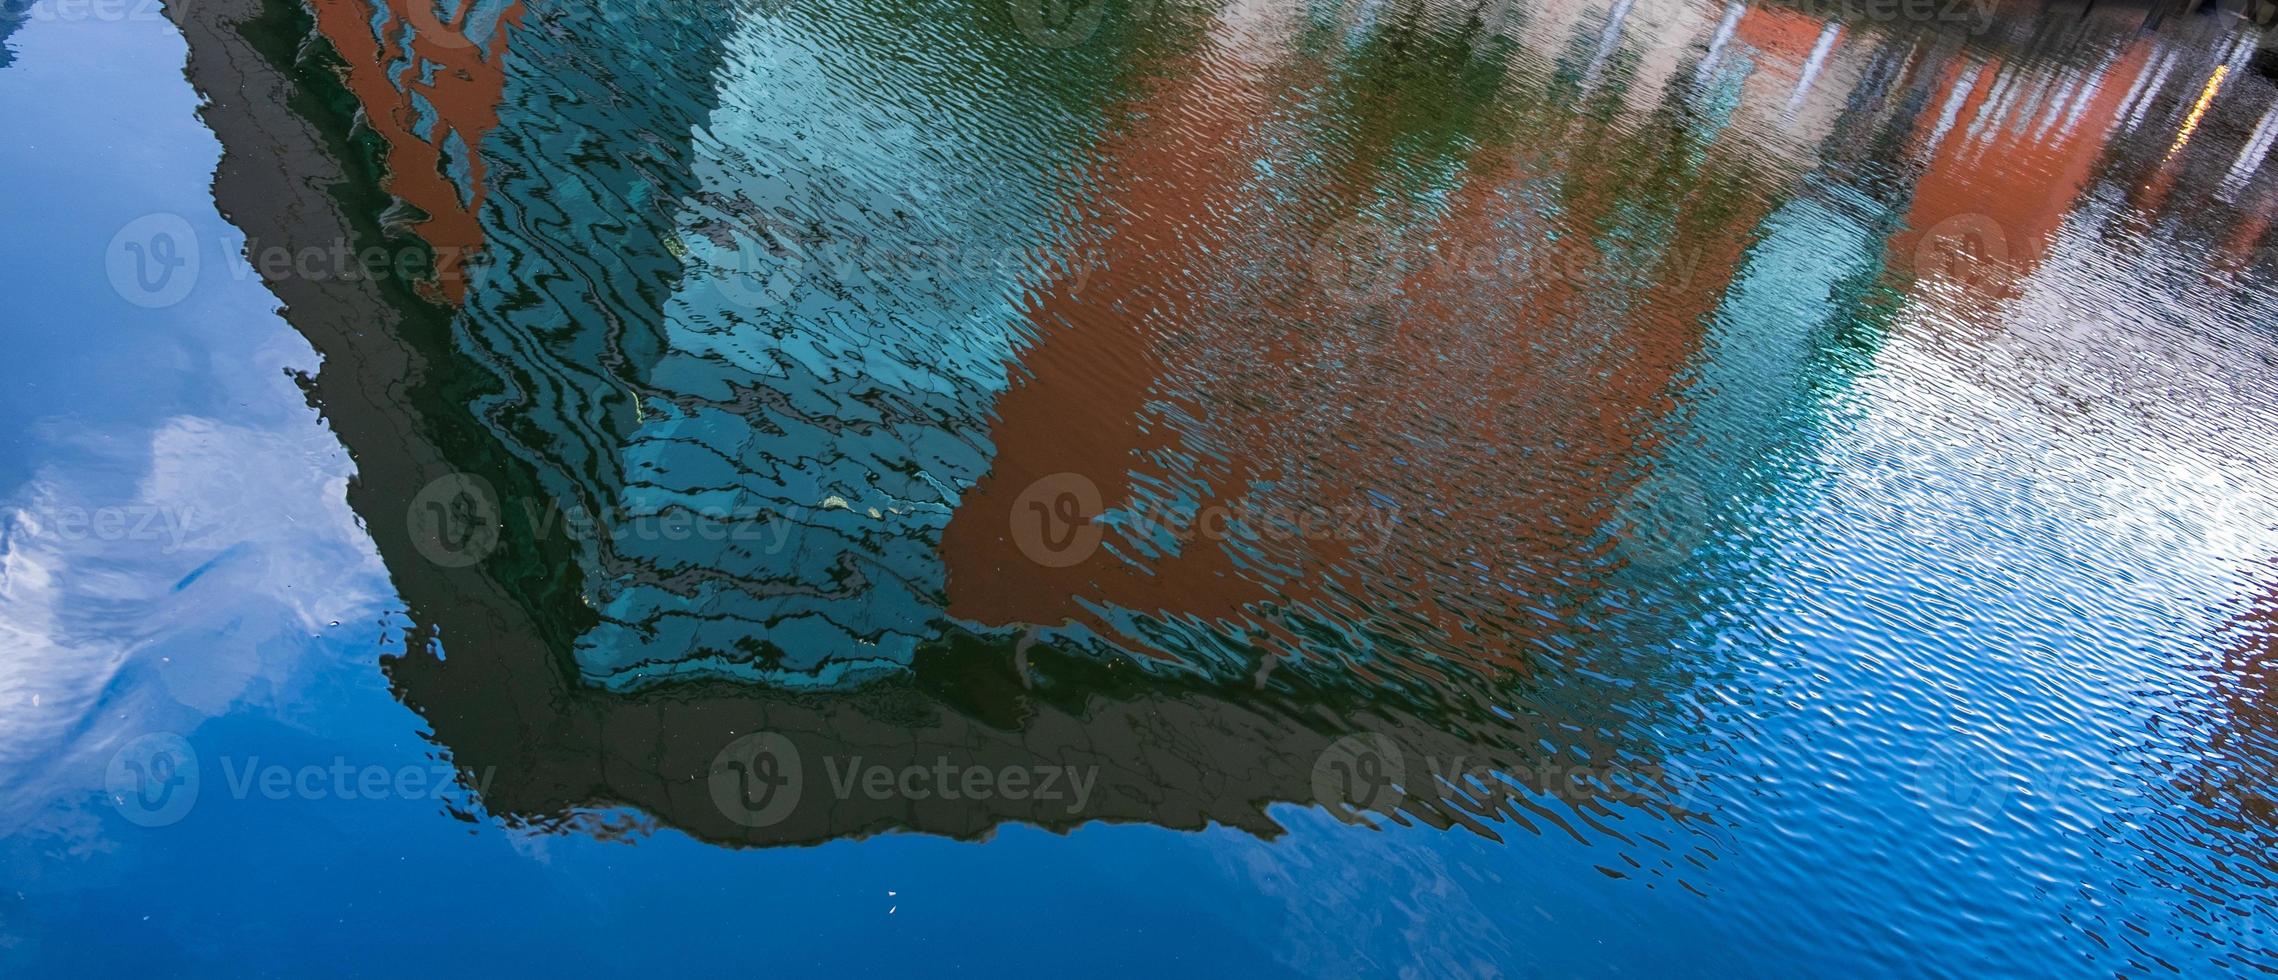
[{"x": 1284, "y": 488}]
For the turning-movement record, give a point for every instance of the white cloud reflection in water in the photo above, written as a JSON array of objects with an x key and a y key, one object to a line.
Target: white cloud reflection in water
[
  {"x": 177, "y": 537},
  {"x": 110, "y": 635}
]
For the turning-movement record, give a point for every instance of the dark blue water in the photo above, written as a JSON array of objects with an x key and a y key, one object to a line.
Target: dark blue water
[{"x": 1270, "y": 489}]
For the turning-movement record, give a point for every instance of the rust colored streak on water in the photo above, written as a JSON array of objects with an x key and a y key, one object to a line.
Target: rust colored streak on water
[
  {"x": 1077, "y": 398},
  {"x": 468, "y": 84}
]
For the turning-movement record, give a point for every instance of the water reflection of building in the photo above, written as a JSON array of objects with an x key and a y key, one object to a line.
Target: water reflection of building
[
  {"x": 2025, "y": 152},
  {"x": 1291, "y": 393},
  {"x": 2046, "y": 125},
  {"x": 634, "y": 368},
  {"x": 429, "y": 83},
  {"x": 823, "y": 365},
  {"x": 1181, "y": 752},
  {"x": 1102, "y": 334}
]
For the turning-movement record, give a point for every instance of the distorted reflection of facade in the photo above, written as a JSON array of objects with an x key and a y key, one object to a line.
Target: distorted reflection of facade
[
  {"x": 1526, "y": 307},
  {"x": 429, "y": 84},
  {"x": 1459, "y": 302}
]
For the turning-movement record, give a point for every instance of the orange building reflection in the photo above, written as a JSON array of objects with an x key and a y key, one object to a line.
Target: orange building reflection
[
  {"x": 1079, "y": 397},
  {"x": 430, "y": 88},
  {"x": 1485, "y": 381},
  {"x": 2008, "y": 165}
]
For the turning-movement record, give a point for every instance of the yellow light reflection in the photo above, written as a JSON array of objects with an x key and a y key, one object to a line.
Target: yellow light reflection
[{"x": 2199, "y": 108}]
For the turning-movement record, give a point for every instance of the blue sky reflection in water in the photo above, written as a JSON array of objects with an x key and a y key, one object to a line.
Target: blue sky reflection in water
[{"x": 1294, "y": 489}]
